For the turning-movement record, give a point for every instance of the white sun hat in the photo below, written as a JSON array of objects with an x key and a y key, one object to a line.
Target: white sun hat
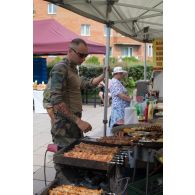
[{"x": 118, "y": 69}]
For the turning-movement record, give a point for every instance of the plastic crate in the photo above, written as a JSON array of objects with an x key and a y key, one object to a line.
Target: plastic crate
[
  {"x": 40, "y": 70},
  {"x": 155, "y": 186}
]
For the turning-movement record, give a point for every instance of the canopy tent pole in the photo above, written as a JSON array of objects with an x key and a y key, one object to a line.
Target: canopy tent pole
[
  {"x": 146, "y": 37},
  {"x": 106, "y": 77},
  {"x": 145, "y": 65}
]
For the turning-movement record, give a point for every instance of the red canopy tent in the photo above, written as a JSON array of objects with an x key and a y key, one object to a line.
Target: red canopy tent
[{"x": 51, "y": 38}]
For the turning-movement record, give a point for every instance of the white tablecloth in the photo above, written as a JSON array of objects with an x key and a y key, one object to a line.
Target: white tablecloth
[{"x": 38, "y": 101}]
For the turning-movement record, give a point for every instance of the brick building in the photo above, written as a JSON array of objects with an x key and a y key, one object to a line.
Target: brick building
[{"x": 120, "y": 46}]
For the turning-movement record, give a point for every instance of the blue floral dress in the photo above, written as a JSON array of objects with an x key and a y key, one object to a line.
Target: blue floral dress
[{"x": 118, "y": 104}]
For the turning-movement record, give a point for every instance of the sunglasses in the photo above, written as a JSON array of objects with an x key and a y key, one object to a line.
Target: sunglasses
[{"x": 81, "y": 55}]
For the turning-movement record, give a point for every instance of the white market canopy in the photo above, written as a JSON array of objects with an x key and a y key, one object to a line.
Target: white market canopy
[{"x": 141, "y": 20}]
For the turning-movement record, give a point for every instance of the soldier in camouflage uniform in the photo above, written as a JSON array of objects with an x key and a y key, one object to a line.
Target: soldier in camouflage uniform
[
  {"x": 63, "y": 101},
  {"x": 63, "y": 95}
]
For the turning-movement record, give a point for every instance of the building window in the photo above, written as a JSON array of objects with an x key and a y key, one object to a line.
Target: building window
[
  {"x": 51, "y": 8},
  {"x": 150, "y": 51},
  {"x": 85, "y": 29},
  {"x": 126, "y": 51},
  {"x": 33, "y": 9}
]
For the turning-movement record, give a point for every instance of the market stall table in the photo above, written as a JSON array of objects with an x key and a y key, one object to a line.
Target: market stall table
[{"x": 145, "y": 149}]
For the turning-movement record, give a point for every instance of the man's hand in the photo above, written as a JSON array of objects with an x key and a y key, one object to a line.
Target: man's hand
[
  {"x": 125, "y": 97},
  {"x": 83, "y": 125},
  {"x": 104, "y": 69},
  {"x": 120, "y": 134},
  {"x": 101, "y": 77}
]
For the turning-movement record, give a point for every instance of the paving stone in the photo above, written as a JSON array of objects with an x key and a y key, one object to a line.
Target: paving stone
[
  {"x": 35, "y": 168},
  {"x": 50, "y": 164},
  {"x": 50, "y": 174},
  {"x": 42, "y": 150},
  {"x": 38, "y": 186},
  {"x": 38, "y": 159},
  {"x": 41, "y": 139}
]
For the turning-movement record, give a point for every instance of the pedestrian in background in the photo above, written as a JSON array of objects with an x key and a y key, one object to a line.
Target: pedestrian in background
[
  {"x": 101, "y": 94},
  {"x": 120, "y": 97}
]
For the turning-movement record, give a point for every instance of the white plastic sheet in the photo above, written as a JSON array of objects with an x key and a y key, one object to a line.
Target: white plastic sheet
[
  {"x": 130, "y": 116},
  {"x": 38, "y": 101}
]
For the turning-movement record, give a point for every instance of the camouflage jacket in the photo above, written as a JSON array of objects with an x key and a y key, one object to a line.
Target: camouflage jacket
[{"x": 65, "y": 85}]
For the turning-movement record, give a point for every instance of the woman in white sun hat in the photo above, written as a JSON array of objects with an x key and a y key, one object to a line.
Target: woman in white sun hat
[{"x": 120, "y": 97}]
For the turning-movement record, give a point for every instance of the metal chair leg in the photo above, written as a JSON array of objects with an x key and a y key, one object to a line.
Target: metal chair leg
[
  {"x": 51, "y": 148},
  {"x": 44, "y": 167}
]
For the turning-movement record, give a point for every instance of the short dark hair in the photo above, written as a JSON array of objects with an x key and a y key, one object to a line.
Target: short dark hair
[{"x": 77, "y": 41}]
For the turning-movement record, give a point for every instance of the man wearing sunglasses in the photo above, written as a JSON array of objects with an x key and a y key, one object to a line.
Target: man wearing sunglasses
[
  {"x": 63, "y": 101},
  {"x": 62, "y": 96}
]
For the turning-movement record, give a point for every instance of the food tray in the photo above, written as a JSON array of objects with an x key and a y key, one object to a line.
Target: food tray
[
  {"x": 55, "y": 183},
  {"x": 84, "y": 163},
  {"x": 121, "y": 127},
  {"x": 96, "y": 141},
  {"x": 152, "y": 144}
]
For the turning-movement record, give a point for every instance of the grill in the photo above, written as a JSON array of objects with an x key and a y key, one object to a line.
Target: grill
[
  {"x": 94, "y": 180},
  {"x": 149, "y": 133},
  {"x": 139, "y": 125},
  {"x": 118, "y": 159},
  {"x": 109, "y": 175},
  {"x": 56, "y": 183}
]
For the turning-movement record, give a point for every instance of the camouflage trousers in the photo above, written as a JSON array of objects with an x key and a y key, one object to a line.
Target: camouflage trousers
[{"x": 65, "y": 131}]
